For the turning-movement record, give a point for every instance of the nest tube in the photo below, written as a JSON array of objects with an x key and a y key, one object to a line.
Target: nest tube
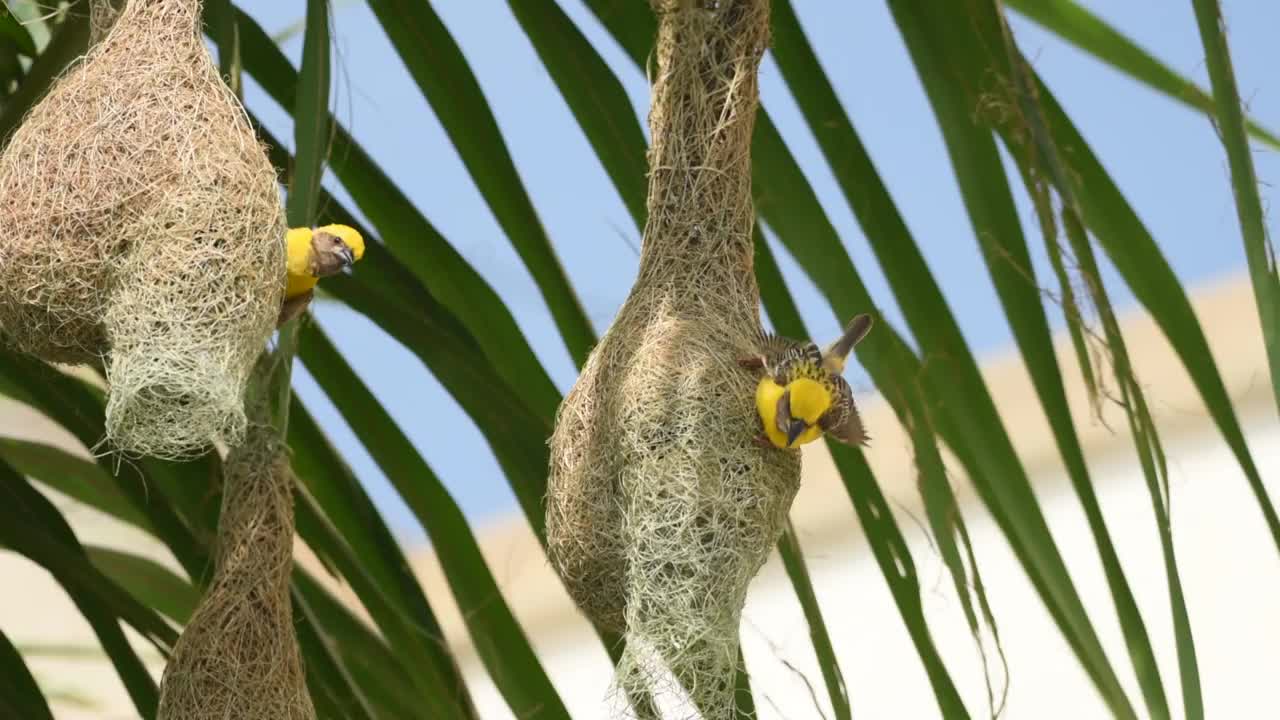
[
  {"x": 144, "y": 231},
  {"x": 238, "y": 656},
  {"x": 661, "y": 509}
]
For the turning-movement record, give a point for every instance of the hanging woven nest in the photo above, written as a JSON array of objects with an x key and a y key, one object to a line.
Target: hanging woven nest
[
  {"x": 143, "y": 228},
  {"x": 238, "y": 657},
  {"x": 660, "y": 508}
]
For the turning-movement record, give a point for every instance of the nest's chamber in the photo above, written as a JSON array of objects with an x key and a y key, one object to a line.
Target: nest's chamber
[
  {"x": 660, "y": 507},
  {"x": 143, "y": 224}
]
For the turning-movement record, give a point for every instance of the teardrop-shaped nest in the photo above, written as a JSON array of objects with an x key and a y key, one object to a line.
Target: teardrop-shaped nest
[
  {"x": 660, "y": 507},
  {"x": 143, "y": 223}
]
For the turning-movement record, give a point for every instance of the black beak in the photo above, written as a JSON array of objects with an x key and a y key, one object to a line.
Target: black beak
[
  {"x": 348, "y": 259},
  {"x": 794, "y": 430}
]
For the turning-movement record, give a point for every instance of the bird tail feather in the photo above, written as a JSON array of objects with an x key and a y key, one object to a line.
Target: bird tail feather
[{"x": 837, "y": 352}]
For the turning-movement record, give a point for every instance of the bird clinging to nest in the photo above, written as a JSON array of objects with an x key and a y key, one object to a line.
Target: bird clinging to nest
[
  {"x": 314, "y": 254},
  {"x": 801, "y": 393}
]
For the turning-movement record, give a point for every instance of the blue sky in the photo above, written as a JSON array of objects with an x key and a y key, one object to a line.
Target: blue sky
[{"x": 1166, "y": 159}]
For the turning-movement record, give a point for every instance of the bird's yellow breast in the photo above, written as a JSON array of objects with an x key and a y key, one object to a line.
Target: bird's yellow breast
[
  {"x": 298, "y": 262},
  {"x": 768, "y": 393}
]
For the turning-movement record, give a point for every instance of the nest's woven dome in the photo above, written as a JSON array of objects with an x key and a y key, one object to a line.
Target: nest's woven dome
[{"x": 143, "y": 224}]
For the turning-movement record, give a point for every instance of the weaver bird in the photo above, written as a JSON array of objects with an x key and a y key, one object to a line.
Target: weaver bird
[
  {"x": 314, "y": 254},
  {"x": 801, "y": 393}
]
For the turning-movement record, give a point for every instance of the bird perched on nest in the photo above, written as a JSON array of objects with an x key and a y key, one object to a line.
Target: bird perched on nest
[
  {"x": 314, "y": 254},
  {"x": 801, "y": 394}
]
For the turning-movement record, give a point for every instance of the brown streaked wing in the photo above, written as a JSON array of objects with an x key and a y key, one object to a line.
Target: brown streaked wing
[{"x": 842, "y": 422}]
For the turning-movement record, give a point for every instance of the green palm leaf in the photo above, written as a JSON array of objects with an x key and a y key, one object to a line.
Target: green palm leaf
[
  {"x": 70, "y": 475},
  {"x": 175, "y": 597},
  {"x": 1231, "y": 128},
  {"x": 31, "y": 526},
  {"x": 14, "y": 32},
  {"x": 1135, "y": 254},
  {"x": 20, "y": 696},
  {"x": 148, "y": 581},
  {"x": 498, "y": 639},
  {"x": 1080, "y": 27},
  {"x": 436, "y": 63},
  {"x": 408, "y": 235}
]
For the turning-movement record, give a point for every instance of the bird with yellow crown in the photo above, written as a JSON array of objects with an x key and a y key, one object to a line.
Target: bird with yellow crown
[
  {"x": 314, "y": 254},
  {"x": 801, "y": 393}
]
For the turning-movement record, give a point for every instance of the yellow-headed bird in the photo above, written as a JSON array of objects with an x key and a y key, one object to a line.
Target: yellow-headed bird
[
  {"x": 801, "y": 393},
  {"x": 314, "y": 254}
]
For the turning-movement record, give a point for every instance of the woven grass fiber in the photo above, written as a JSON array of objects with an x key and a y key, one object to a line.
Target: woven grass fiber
[
  {"x": 144, "y": 229},
  {"x": 238, "y": 657},
  {"x": 660, "y": 509},
  {"x": 102, "y": 15}
]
